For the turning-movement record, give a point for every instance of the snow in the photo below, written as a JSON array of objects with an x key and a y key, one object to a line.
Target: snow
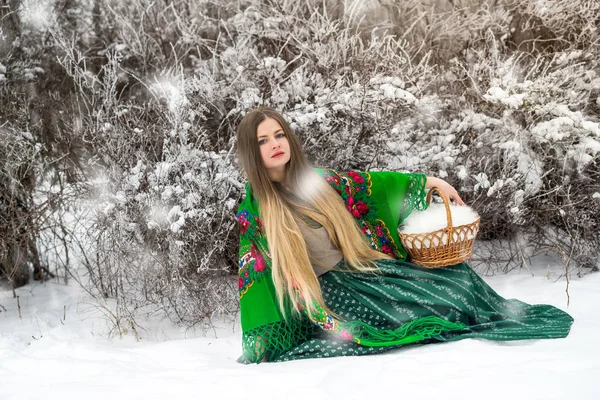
[
  {"x": 274, "y": 63},
  {"x": 482, "y": 181},
  {"x": 510, "y": 145},
  {"x": 250, "y": 98},
  {"x": 157, "y": 216},
  {"x": 172, "y": 91},
  {"x": 590, "y": 144},
  {"x": 176, "y": 212},
  {"x": 496, "y": 94},
  {"x": 555, "y": 129},
  {"x": 60, "y": 349},
  {"x": 37, "y": 14},
  {"x": 519, "y": 196},
  {"x": 27, "y": 135},
  {"x": 593, "y": 127},
  {"x": 541, "y": 7},
  {"x": 462, "y": 172},
  {"x": 434, "y": 218},
  {"x": 394, "y": 93},
  {"x": 532, "y": 170}
]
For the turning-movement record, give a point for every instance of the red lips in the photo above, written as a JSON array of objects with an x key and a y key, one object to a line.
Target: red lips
[{"x": 278, "y": 154}]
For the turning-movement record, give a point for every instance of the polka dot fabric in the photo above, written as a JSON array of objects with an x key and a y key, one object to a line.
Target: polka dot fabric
[{"x": 403, "y": 292}]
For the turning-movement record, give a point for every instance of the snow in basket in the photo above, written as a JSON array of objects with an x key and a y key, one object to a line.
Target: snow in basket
[{"x": 434, "y": 219}]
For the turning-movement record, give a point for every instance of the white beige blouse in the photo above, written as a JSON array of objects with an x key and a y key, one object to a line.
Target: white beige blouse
[{"x": 322, "y": 252}]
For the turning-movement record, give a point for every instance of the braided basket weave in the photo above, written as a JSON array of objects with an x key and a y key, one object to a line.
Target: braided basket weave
[{"x": 444, "y": 247}]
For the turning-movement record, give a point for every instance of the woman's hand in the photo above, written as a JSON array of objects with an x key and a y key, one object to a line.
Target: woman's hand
[{"x": 447, "y": 190}]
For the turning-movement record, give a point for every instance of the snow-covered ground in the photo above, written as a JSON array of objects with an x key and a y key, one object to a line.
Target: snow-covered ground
[{"x": 60, "y": 348}]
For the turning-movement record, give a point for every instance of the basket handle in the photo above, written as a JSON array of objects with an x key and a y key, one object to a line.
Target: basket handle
[{"x": 448, "y": 215}]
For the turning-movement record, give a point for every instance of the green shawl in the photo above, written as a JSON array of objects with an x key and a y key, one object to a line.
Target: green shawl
[{"x": 379, "y": 201}]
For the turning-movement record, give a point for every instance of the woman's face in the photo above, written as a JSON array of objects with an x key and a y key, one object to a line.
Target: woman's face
[{"x": 274, "y": 145}]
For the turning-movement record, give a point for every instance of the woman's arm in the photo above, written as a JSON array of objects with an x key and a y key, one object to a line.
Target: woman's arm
[{"x": 445, "y": 188}]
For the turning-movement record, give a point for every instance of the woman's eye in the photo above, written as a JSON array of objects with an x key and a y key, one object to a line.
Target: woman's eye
[
  {"x": 262, "y": 141},
  {"x": 280, "y": 135}
]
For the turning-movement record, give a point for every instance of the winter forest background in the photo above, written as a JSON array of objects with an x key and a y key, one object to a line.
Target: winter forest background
[{"x": 117, "y": 125}]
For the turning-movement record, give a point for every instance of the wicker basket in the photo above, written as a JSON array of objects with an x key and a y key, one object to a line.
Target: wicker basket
[{"x": 448, "y": 246}]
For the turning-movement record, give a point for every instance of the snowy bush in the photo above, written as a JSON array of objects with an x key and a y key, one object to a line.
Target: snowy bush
[
  {"x": 164, "y": 235},
  {"x": 17, "y": 213}
]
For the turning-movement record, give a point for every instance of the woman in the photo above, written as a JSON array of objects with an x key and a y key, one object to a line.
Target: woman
[{"x": 322, "y": 272}]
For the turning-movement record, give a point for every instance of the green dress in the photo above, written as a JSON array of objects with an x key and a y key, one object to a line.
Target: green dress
[{"x": 402, "y": 304}]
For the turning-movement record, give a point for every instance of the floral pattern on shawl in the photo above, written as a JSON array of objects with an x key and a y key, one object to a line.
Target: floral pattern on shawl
[
  {"x": 355, "y": 190},
  {"x": 253, "y": 266}
]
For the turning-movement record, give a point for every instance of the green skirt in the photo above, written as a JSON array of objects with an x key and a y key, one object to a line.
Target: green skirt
[{"x": 403, "y": 292}]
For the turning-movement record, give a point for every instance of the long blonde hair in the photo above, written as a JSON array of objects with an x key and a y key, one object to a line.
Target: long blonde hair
[{"x": 309, "y": 196}]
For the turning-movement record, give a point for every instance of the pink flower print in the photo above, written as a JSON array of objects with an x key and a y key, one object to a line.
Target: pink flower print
[
  {"x": 260, "y": 265},
  {"x": 352, "y": 207},
  {"x": 328, "y": 326},
  {"x": 333, "y": 179},
  {"x": 259, "y": 262},
  {"x": 362, "y": 208},
  {"x": 346, "y": 335},
  {"x": 259, "y": 223},
  {"x": 240, "y": 283},
  {"x": 356, "y": 177},
  {"x": 244, "y": 224},
  {"x": 386, "y": 249},
  {"x": 379, "y": 230}
]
